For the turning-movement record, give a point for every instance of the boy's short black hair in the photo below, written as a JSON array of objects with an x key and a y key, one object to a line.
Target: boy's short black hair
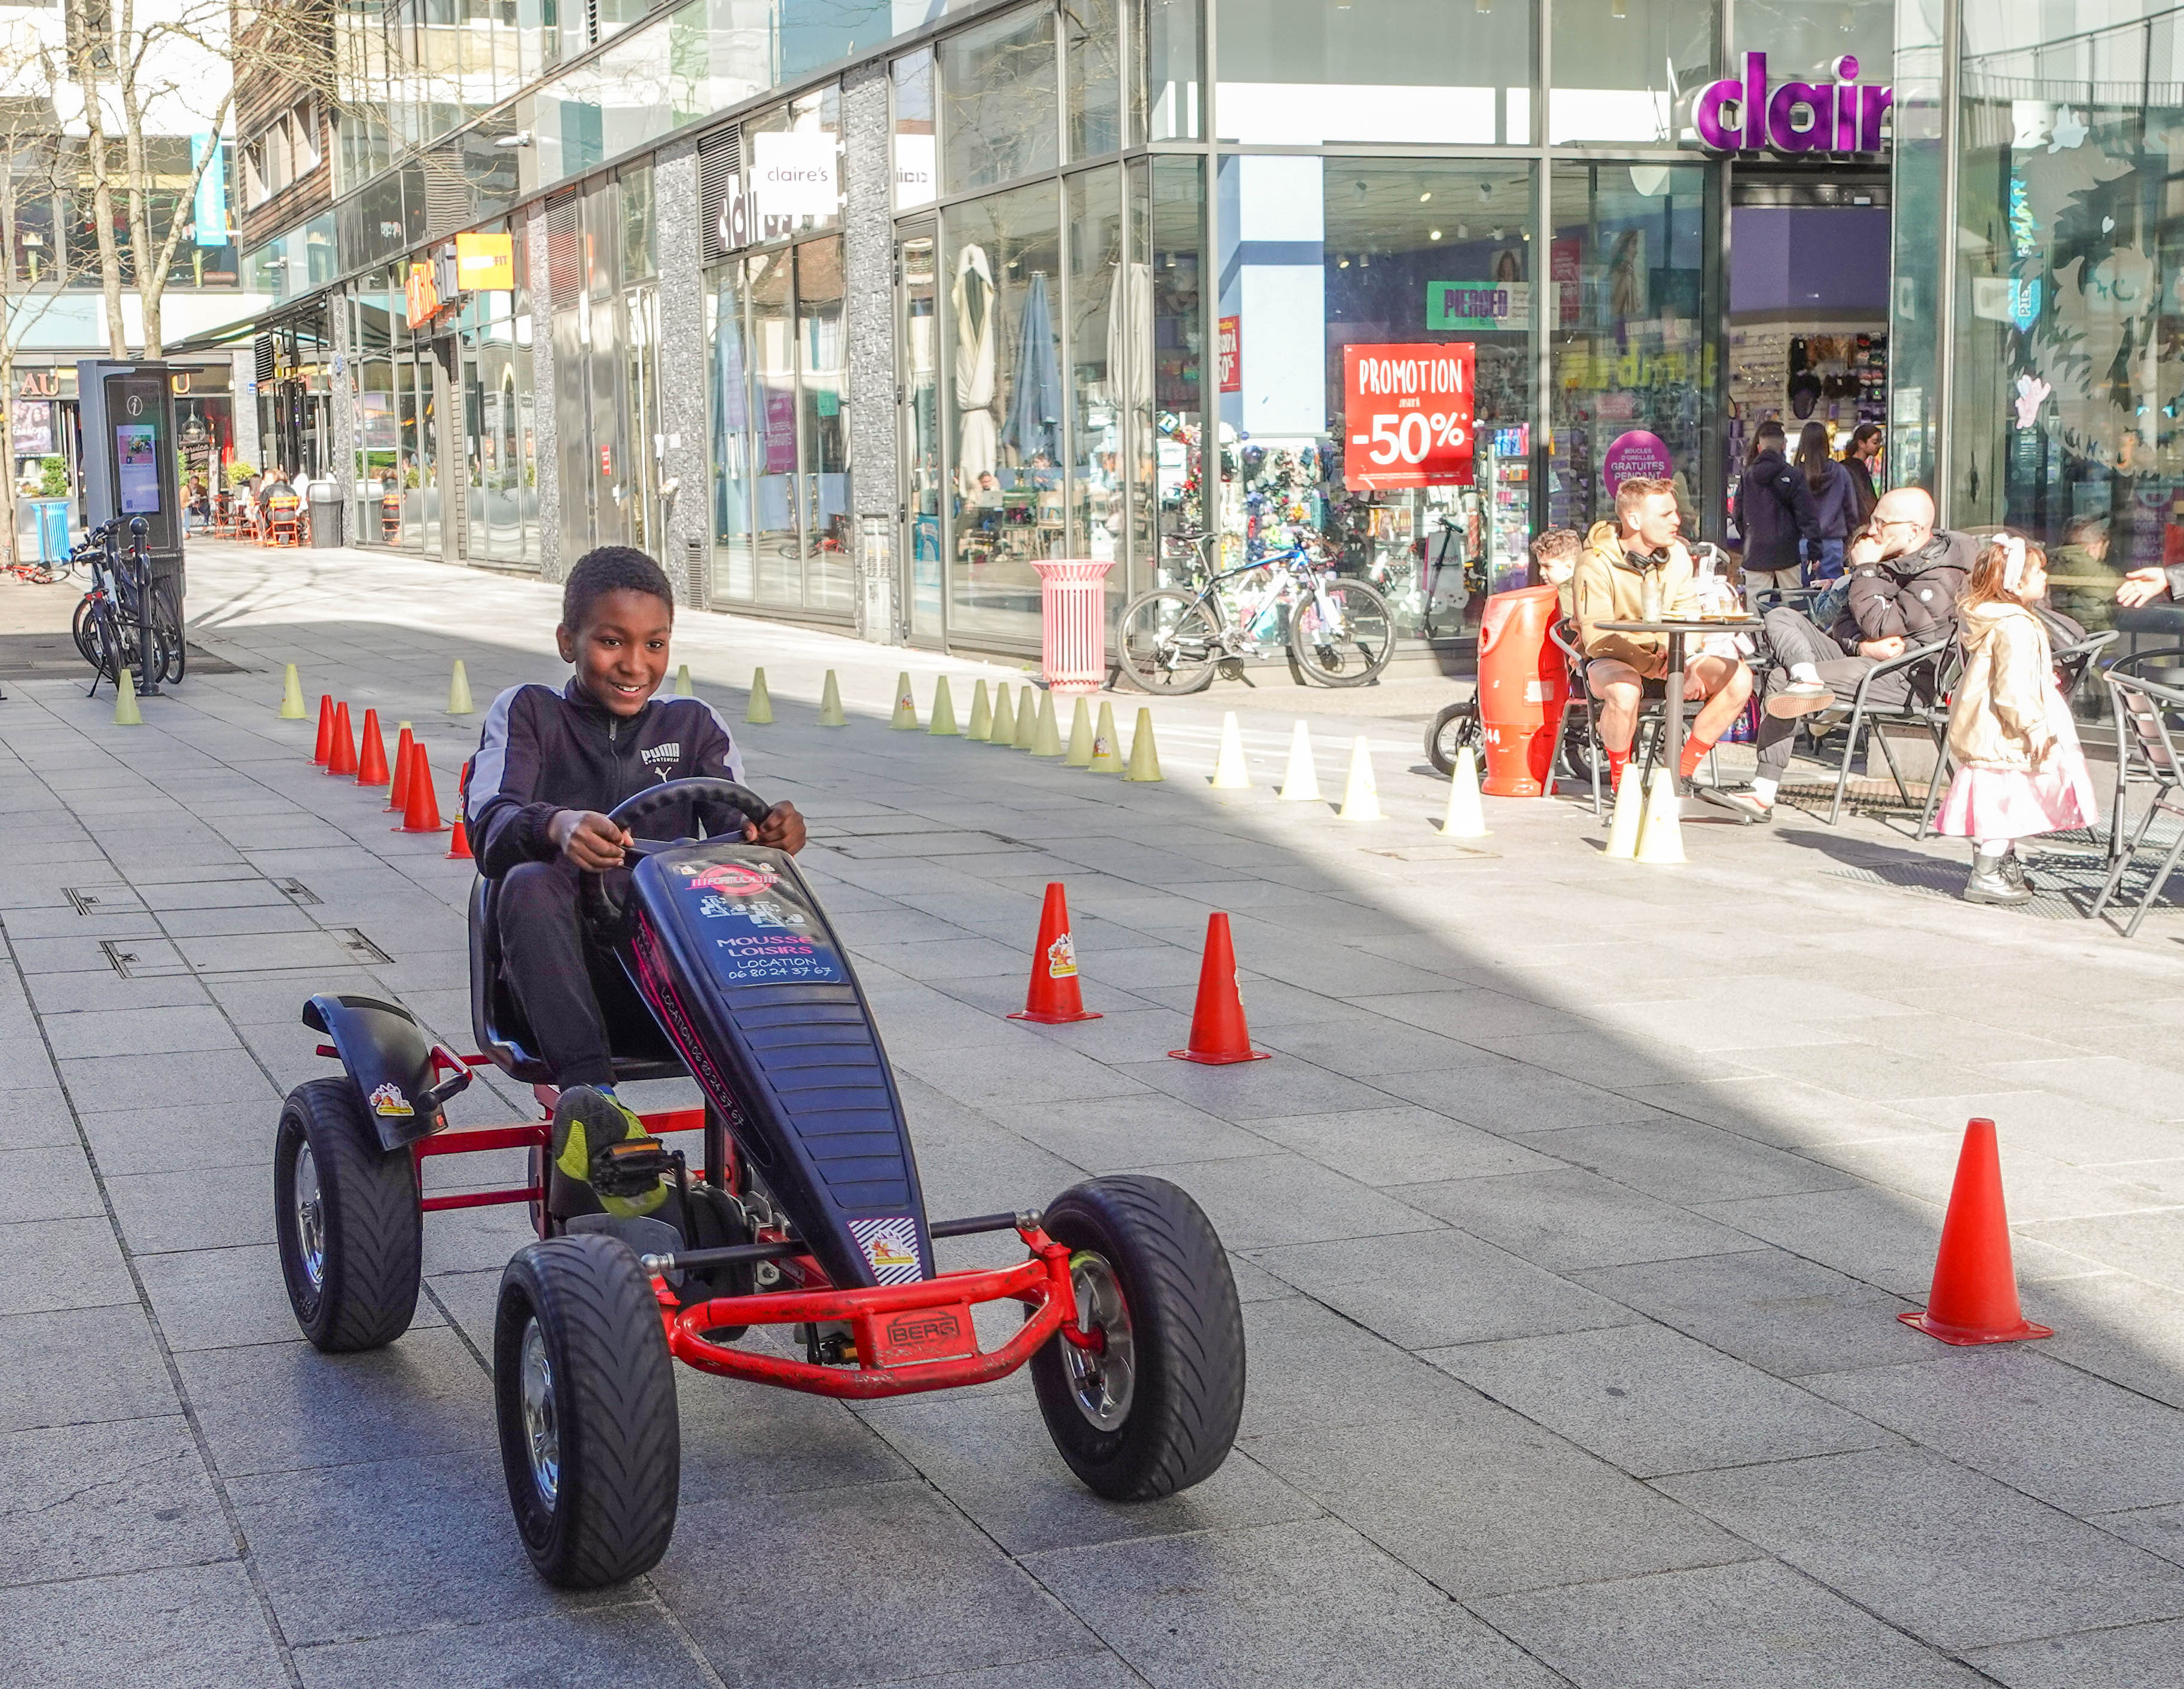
[{"x": 611, "y": 569}]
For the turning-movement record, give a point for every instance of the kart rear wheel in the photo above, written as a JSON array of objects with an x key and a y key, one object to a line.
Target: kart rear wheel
[
  {"x": 351, "y": 1230},
  {"x": 584, "y": 1390},
  {"x": 1456, "y": 727},
  {"x": 1154, "y": 1409}
]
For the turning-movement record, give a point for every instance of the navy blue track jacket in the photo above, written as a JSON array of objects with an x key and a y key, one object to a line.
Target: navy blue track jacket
[{"x": 542, "y": 750}]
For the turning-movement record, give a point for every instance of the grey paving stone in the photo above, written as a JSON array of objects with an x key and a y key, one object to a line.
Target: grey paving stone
[
  {"x": 286, "y": 1408},
  {"x": 1788, "y": 1114},
  {"x": 1653, "y": 1400},
  {"x": 123, "y": 1032},
  {"x": 564, "y": 1649},
  {"x": 2081, "y": 1443},
  {"x": 225, "y": 1299},
  {"x": 973, "y": 1166},
  {"x": 1024, "y": 1073},
  {"x": 48, "y": 1264},
  {"x": 1570, "y": 1219},
  {"x": 1756, "y": 1623},
  {"x": 68, "y": 994},
  {"x": 1147, "y": 1129},
  {"x": 1367, "y": 1046},
  {"x": 1334, "y": 1610},
  {"x": 743, "y": 1440},
  {"x": 2068, "y": 1128},
  {"x": 2127, "y": 1656},
  {"x": 2117, "y": 1327},
  {"x": 1261, "y": 1200},
  {"x": 1783, "y": 1315},
  {"x": 910, "y": 1589},
  {"x": 2158, "y": 1530},
  {"x": 1472, "y": 1014},
  {"x": 1247, "y": 1091},
  {"x": 1682, "y": 1162},
  {"x": 2109, "y": 1082},
  {"x": 1424, "y": 1290},
  {"x": 80, "y": 1367},
  {"x": 179, "y": 1627},
  {"x": 339, "y": 1550},
  {"x": 1506, "y": 1096},
  {"x": 207, "y": 1077},
  {"x": 1310, "y": 1368},
  {"x": 1860, "y": 1070},
  {"x": 85, "y": 1501},
  {"x": 1084, "y": 1671},
  {"x": 133, "y": 1141},
  {"x": 1952, "y": 1557},
  {"x": 53, "y": 1183},
  {"x": 2036, "y": 1186},
  {"x": 1400, "y": 1146},
  {"x": 197, "y": 1208}
]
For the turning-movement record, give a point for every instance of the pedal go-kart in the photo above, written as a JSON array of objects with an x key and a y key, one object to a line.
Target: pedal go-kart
[{"x": 809, "y": 1214}]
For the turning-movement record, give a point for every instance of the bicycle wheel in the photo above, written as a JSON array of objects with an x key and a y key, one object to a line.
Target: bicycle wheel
[
  {"x": 1453, "y": 730},
  {"x": 1169, "y": 642},
  {"x": 107, "y": 655},
  {"x": 1351, "y": 646},
  {"x": 80, "y": 630},
  {"x": 168, "y": 635}
]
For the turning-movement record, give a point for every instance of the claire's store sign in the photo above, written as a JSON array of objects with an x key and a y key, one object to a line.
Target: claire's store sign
[{"x": 1747, "y": 114}]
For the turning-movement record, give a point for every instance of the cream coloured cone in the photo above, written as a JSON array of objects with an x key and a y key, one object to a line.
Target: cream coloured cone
[
  {"x": 1300, "y": 779},
  {"x": 1229, "y": 772},
  {"x": 1361, "y": 798},
  {"x": 1466, "y": 818},
  {"x": 1628, "y": 820}
]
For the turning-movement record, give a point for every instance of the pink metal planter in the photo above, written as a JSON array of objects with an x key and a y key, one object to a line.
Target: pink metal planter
[{"x": 1072, "y": 605}]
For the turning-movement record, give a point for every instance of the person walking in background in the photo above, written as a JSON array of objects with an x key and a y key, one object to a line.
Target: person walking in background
[
  {"x": 1833, "y": 504},
  {"x": 1773, "y": 511},
  {"x": 2019, "y": 771},
  {"x": 1857, "y": 462}
]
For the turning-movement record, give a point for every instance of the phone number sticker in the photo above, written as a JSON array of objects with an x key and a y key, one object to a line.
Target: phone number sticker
[{"x": 758, "y": 927}]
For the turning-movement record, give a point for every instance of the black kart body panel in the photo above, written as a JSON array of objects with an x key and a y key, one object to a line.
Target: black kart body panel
[
  {"x": 386, "y": 1053},
  {"x": 727, "y": 944}
]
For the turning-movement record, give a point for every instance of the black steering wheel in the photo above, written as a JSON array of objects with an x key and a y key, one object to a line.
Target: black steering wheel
[{"x": 720, "y": 806}]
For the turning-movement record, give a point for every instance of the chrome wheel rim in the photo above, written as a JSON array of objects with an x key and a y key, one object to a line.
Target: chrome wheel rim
[
  {"x": 310, "y": 1218},
  {"x": 542, "y": 1426},
  {"x": 1101, "y": 1382}
]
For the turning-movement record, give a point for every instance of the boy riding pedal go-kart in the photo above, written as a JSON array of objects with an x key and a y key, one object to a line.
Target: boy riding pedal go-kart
[{"x": 641, "y": 916}]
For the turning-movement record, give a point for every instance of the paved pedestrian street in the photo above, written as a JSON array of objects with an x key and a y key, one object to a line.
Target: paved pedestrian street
[{"x": 1571, "y": 1216}]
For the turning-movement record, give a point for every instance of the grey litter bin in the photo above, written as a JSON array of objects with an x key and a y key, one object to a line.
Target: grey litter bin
[{"x": 326, "y": 514}]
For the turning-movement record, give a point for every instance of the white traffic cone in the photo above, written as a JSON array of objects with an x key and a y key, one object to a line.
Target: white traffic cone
[
  {"x": 1662, "y": 838},
  {"x": 1360, "y": 798},
  {"x": 1300, "y": 779},
  {"x": 1466, "y": 818},
  {"x": 1229, "y": 773},
  {"x": 1629, "y": 811}
]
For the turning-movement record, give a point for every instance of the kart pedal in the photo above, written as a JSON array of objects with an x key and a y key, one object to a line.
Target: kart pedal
[{"x": 631, "y": 1168}]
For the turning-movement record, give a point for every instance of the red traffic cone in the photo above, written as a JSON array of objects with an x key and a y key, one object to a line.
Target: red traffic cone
[
  {"x": 1974, "y": 1299},
  {"x": 372, "y": 753},
  {"x": 458, "y": 847},
  {"x": 1053, "y": 996},
  {"x": 341, "y": 756},
  {"x": 397, "y": 798},
  {"x": 325, "y": 729},
  {"x": 422, "y": 813},
  {"x": 1217, "y": 1033}
]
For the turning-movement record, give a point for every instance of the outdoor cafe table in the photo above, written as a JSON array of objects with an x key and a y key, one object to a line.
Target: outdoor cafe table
[{"x": 1677, "y": 629}]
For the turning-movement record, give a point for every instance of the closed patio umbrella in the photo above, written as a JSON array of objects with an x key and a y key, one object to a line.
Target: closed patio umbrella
[
  {"x": 1035, "y": 407},
  {"x": 972, "y": 299}
]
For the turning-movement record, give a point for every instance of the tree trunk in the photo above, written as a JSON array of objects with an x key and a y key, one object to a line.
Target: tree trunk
[{"x": 85, "y": 55}]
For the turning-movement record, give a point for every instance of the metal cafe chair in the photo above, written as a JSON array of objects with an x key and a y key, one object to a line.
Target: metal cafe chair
[
  {"x": 1926, "y": 709},
  {"x": 2147, "y": 720},
  {"x": 1652, "y": 712},
  {"x": 2163, "y": 666}
]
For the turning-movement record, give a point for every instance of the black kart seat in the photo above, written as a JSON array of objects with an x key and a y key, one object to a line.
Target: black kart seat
[{"x": 641, "y": 1050}]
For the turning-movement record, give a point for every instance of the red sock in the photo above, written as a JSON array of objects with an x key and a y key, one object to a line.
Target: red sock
[
  {"x": 1695, "y": 751},
  {"x": 1616, "y": 759}
]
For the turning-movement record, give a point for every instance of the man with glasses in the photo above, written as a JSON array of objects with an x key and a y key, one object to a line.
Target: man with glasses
[{"x": 1904, "y": 581}]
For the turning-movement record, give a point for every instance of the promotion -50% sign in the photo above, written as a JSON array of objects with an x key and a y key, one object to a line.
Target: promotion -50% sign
[{"x": 1406, "y": 414}]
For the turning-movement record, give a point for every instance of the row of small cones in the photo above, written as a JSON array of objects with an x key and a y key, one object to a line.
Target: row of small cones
[
  {"x": 1218, "y": 1035},
  {"x": 1648, "y": 825},
  {"x": 409, "y": 781},
  {"x": 1361, "y": 796},
  {"x": 459, "y": 693}
]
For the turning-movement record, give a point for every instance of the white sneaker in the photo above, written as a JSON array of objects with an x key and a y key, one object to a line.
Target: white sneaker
[{"x": 1800, "y": 698}]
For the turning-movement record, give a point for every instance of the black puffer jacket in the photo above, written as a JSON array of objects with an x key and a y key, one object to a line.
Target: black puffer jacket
[
  {"x": 1774, "y": 507},
  {"x": 1914, "y": 597}
]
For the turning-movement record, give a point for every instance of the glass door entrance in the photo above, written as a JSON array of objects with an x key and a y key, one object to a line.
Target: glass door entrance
[{"x": 918, "y": 380}]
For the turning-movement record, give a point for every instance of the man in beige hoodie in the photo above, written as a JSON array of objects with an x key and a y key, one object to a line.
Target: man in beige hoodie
[{"x": 1609, "y": 586}]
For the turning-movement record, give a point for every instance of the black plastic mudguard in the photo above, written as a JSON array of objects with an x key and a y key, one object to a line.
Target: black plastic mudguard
[
  {"x": 728, "y": 947},
  {"x": 388, "y": 1055}
]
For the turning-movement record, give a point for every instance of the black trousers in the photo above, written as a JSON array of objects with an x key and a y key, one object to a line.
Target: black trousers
[
  {"x": 1795, "y": 639},
  {"x": 569, "y": 990}
]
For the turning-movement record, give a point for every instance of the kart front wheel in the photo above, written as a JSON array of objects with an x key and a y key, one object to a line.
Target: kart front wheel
[
  {"x": 351, "y": 1230},
  {"x": 1154, "y": 1408},
  {"x": 584, "y": 1390},
  {"x": 1455, "y": 730}
]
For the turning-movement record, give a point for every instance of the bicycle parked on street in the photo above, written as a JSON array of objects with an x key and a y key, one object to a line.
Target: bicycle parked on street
[
  {"x": 110, "y": 622},
  {"x": 1336, "y": 632}
]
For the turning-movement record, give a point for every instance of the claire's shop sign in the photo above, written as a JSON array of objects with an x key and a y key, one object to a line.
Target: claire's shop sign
[{"x": 1745, "y": 114}]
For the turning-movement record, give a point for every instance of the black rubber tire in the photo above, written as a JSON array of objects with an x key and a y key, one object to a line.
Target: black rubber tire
[
  {"x": 1186, "y": 1328},
  {"x": 80, "y": 627},
  {"x": 1454, "y": 728},
  {"x": 1191, "y": 670},
  {"x": 372, "y": 1226},
  {"x": 1354, "y": 664},
  {"x": 173, "y": 640},
  {"x": 620, "y": 1444}
]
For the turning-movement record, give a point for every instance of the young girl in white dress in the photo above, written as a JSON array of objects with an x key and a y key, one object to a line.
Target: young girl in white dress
[{"x": 2019, "y": 771}]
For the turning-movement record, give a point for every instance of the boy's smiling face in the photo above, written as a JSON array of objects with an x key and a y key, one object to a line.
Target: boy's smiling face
[{"x": 620, "y": 651}]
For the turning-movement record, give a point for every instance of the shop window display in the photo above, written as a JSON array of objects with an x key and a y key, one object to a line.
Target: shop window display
[
  {"x": 1405, "y": 454},
  {"x": 1631, "y": 364}
]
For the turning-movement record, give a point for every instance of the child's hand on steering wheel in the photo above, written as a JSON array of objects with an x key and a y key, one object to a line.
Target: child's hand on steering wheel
[
  {"x": 782, "y": 829},
  {"x": 590, "y": 841}
]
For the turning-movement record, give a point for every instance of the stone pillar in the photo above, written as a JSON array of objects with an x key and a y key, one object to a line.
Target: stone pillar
[
  {"x": 685, "y": 358},
  {"x": 868, "y": 265},
  {"x": 342, "y": 407},
  {"x": 545, "y": 454},
  {"x": 242, "y": 383}
]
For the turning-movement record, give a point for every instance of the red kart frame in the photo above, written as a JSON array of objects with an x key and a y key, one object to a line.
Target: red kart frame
[{"x": 906, "y": 1338}]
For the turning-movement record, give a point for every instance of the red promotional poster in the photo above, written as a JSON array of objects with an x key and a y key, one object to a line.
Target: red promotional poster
[
  {"x": 1407, "y": 413},
  {"x": 1229, "y": 355}
]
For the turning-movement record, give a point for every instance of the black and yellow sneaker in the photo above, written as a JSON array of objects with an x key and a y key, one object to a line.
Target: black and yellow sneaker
[{"x": 603, "y": 1158}]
